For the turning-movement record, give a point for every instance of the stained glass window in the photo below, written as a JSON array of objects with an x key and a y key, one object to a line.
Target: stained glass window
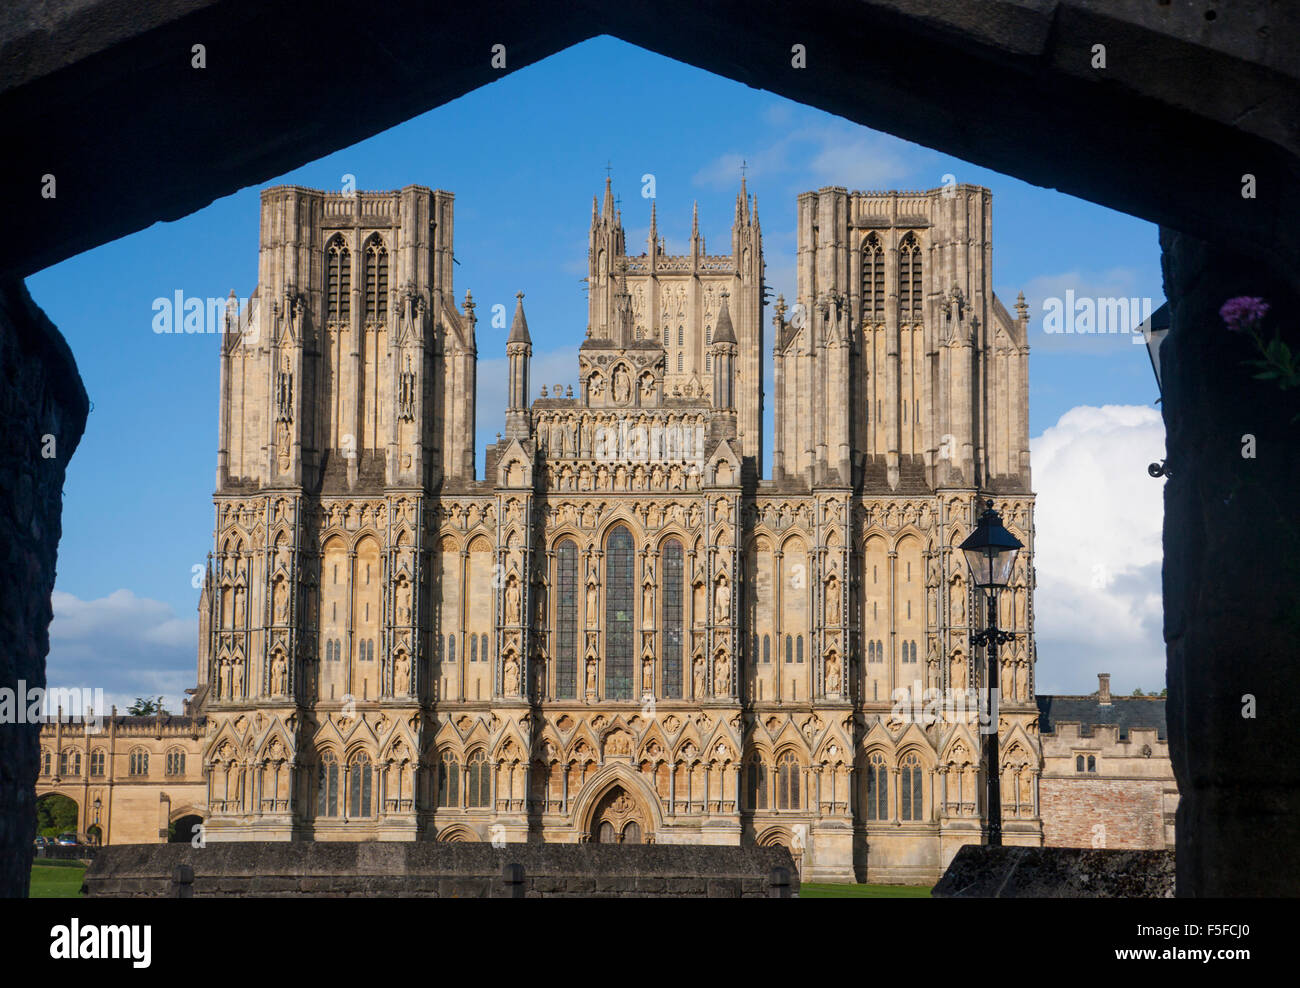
[
  {"x": 877, "y": 789},
  {"x": 620, "y": 560},
  {"x": 672, "y": 619},
  {"x": 360, "y": 785},
  {"x": 566, "y": 621},
  {"x": 449, "y": 781},
  {"x": 787, "y": 782},
  {"x": 327, "y": 786}
]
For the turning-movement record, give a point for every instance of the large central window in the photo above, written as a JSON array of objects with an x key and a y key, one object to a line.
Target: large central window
[
  {"x": 566, "y": 621},
  {"x": 619, "y": 595},
  {"x": 672, "y": 619}
]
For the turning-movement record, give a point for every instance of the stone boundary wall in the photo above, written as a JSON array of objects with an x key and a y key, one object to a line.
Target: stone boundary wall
[
  {"x": 440, "y": 870},
  {"x": 1129, "y": 811},
  {"x": 982, "y": 872}
]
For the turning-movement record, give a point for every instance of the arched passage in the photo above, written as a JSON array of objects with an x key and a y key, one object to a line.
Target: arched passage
[{"x": 57, "y": 813}]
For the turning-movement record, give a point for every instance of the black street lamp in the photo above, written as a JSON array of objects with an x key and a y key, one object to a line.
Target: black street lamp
[{"x": 990, "y": 553}]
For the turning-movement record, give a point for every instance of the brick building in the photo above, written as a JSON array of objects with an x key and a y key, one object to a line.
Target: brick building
[{"x": 1107, "y": 780}]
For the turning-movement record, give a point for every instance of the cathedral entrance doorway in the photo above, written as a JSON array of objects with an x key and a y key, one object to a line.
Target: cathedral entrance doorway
[{"x": 618, "y": 819}]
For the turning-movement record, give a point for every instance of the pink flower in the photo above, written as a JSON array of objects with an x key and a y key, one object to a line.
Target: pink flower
[{"x": 1243, "y": 312}]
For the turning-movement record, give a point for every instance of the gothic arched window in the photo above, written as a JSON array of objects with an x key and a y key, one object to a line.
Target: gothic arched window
[
  {"x": 448, "y": 780},
  {"x": 909, "y": 788},
  {"x": 338, "y": 280},
  {"x": 376, "y": 280},
  {"x": 451, "y": 648},
  {"x": 789, "y": 649},
  {"x": 873, "y": 280},
  {"x": 176, "y": 761},
  {"x": 672, "y": 597},
  {"x": 767, "y": 648},
  {"x": 566, "y": 620},
  {"x": 1092, "y": 763},
  {"x": 478, "y": 780},
  {"x": 139, "y": 763},
  {"x": 877, "y": 789},
  {"x": 756, "y": 784},
  {"x": 798, "y": 649},
  {"x": 97, "y": 762},
  {"x": 473, "y": 648},
  {"x": 871, "y": 651},
  {"x": 327, "y": 786},
  {"x": 1078, "y": 763},
  {"x": 909, "y": 278},
  {"x": 620, "y": 560},
  {"x": 360, "y": 785},
  {"x": 45, "y": 761},
  {"x": 787, "y": 782}
]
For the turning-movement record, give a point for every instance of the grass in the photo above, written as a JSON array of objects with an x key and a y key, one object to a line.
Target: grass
[
  {"x": 809, "y": 890},
  {"x": 57, "y": 879},
  {"x": 62, "y": 880}
]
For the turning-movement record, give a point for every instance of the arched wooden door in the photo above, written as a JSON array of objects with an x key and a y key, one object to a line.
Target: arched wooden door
[{"x": 618, "y": 819}]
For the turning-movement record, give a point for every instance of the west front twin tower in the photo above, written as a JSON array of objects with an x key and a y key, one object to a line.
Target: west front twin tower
[{"x": 619, "y": 631}]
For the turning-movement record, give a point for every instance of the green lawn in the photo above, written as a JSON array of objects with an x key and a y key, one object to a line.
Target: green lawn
[
  {"x": 57, "y": 879},
  {"x": 810, "y": 891}
]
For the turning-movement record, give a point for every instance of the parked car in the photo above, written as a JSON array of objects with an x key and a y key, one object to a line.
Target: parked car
[
  {"x": 41, "y": 842},
  {"x": 68, "y": 840}
]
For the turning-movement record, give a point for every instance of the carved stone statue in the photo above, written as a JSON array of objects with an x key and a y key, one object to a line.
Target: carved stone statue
[
  {"x": 237, "y": 677},
  {"x": 510, "y": 677},
  {"x": 280, "y": 674},
  {"x": 591, "y": 675},
  {"x": 721, "y": 675},
  {"x": 832, "y": 601},
  {"x": 647, "y": 675},
  {"x": 403, "y": 603},
  {"x": 512, "y": 601},
  {"x": 402, "y": 674},
  {"x": 593, "y": 606},
  {"x": 622, "y": 385},
  {"x": 698, "y": 671},
  {"x": 281, "y": 594},
  {"x": 722, "y": 603},
  {"x": 832, "y": 673}
]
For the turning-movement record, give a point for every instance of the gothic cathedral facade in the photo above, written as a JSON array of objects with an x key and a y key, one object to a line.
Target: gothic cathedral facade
[{"x": 622, "y": 632}]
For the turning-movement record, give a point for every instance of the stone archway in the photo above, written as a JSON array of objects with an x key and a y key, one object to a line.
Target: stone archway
[{"x": 618, "y": 818}]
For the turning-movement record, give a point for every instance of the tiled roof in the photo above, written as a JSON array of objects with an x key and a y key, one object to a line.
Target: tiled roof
[{"x": 1125, "y": 712}]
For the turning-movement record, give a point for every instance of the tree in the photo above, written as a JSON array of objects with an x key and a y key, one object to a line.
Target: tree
[
  {"x": 146, "y": 706},
  {"x": 1138, "y": 692}
]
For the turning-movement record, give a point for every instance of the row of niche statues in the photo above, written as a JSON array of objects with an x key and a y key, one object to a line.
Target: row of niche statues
[
  {"x": 638, "y": 477},
  {"x": 611, "y": 438}
]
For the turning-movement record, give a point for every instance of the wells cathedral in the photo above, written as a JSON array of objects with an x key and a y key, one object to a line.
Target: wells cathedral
[{"x": 619, "y": 630}]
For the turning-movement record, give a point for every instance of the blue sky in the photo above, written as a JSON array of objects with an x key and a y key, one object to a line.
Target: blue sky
[{"x": 524, "y": 156}]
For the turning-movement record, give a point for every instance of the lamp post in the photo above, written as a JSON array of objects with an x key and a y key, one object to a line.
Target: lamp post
[{"x": 990, "y": 553}]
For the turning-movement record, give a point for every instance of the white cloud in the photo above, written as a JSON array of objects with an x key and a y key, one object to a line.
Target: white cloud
[
  {"x": 1098, "y": 551},
  {"x": 830, "y": 153},
  {"x": 125, "y": 645}
]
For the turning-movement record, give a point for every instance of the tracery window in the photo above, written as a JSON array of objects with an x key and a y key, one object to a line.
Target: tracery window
[
  {"x": 70, "y": 762},
  {"x": 909, "y": 788},
  {"x": 45, "y": 761},
  {"x": 360, "y": 785},
  {"x": 176, "y": 762},
  {"x": 139, "y": 762},
  {"x": 478, "y": 780},
  {"x": 619, "y": 589},
  {"x": 873, "y": 280},
  {"x": 566, "y": 620},
  {"x": 877, "y": 788},
  {"x": 97, "y": 762},
  {"x": 338, "y": 281},
  {"x": 376, "y": 280},
  {"x": 909, "y": 278},
  {"x": 327, "y": 786},
  {"x": 449, "y": 780},
  {"x": 672, "y": 596},
  {"x": 787, "y": 782}
]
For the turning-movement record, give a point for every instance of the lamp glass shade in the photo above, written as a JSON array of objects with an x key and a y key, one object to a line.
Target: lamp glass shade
[{"x": 990, "y": 552}]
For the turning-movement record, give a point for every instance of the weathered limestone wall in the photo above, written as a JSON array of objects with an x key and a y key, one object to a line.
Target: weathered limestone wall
[
  {"x": 41, "y": 396},
  {"x": 1231, "y": 569},
  {"x": 442, "y": 870}
]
